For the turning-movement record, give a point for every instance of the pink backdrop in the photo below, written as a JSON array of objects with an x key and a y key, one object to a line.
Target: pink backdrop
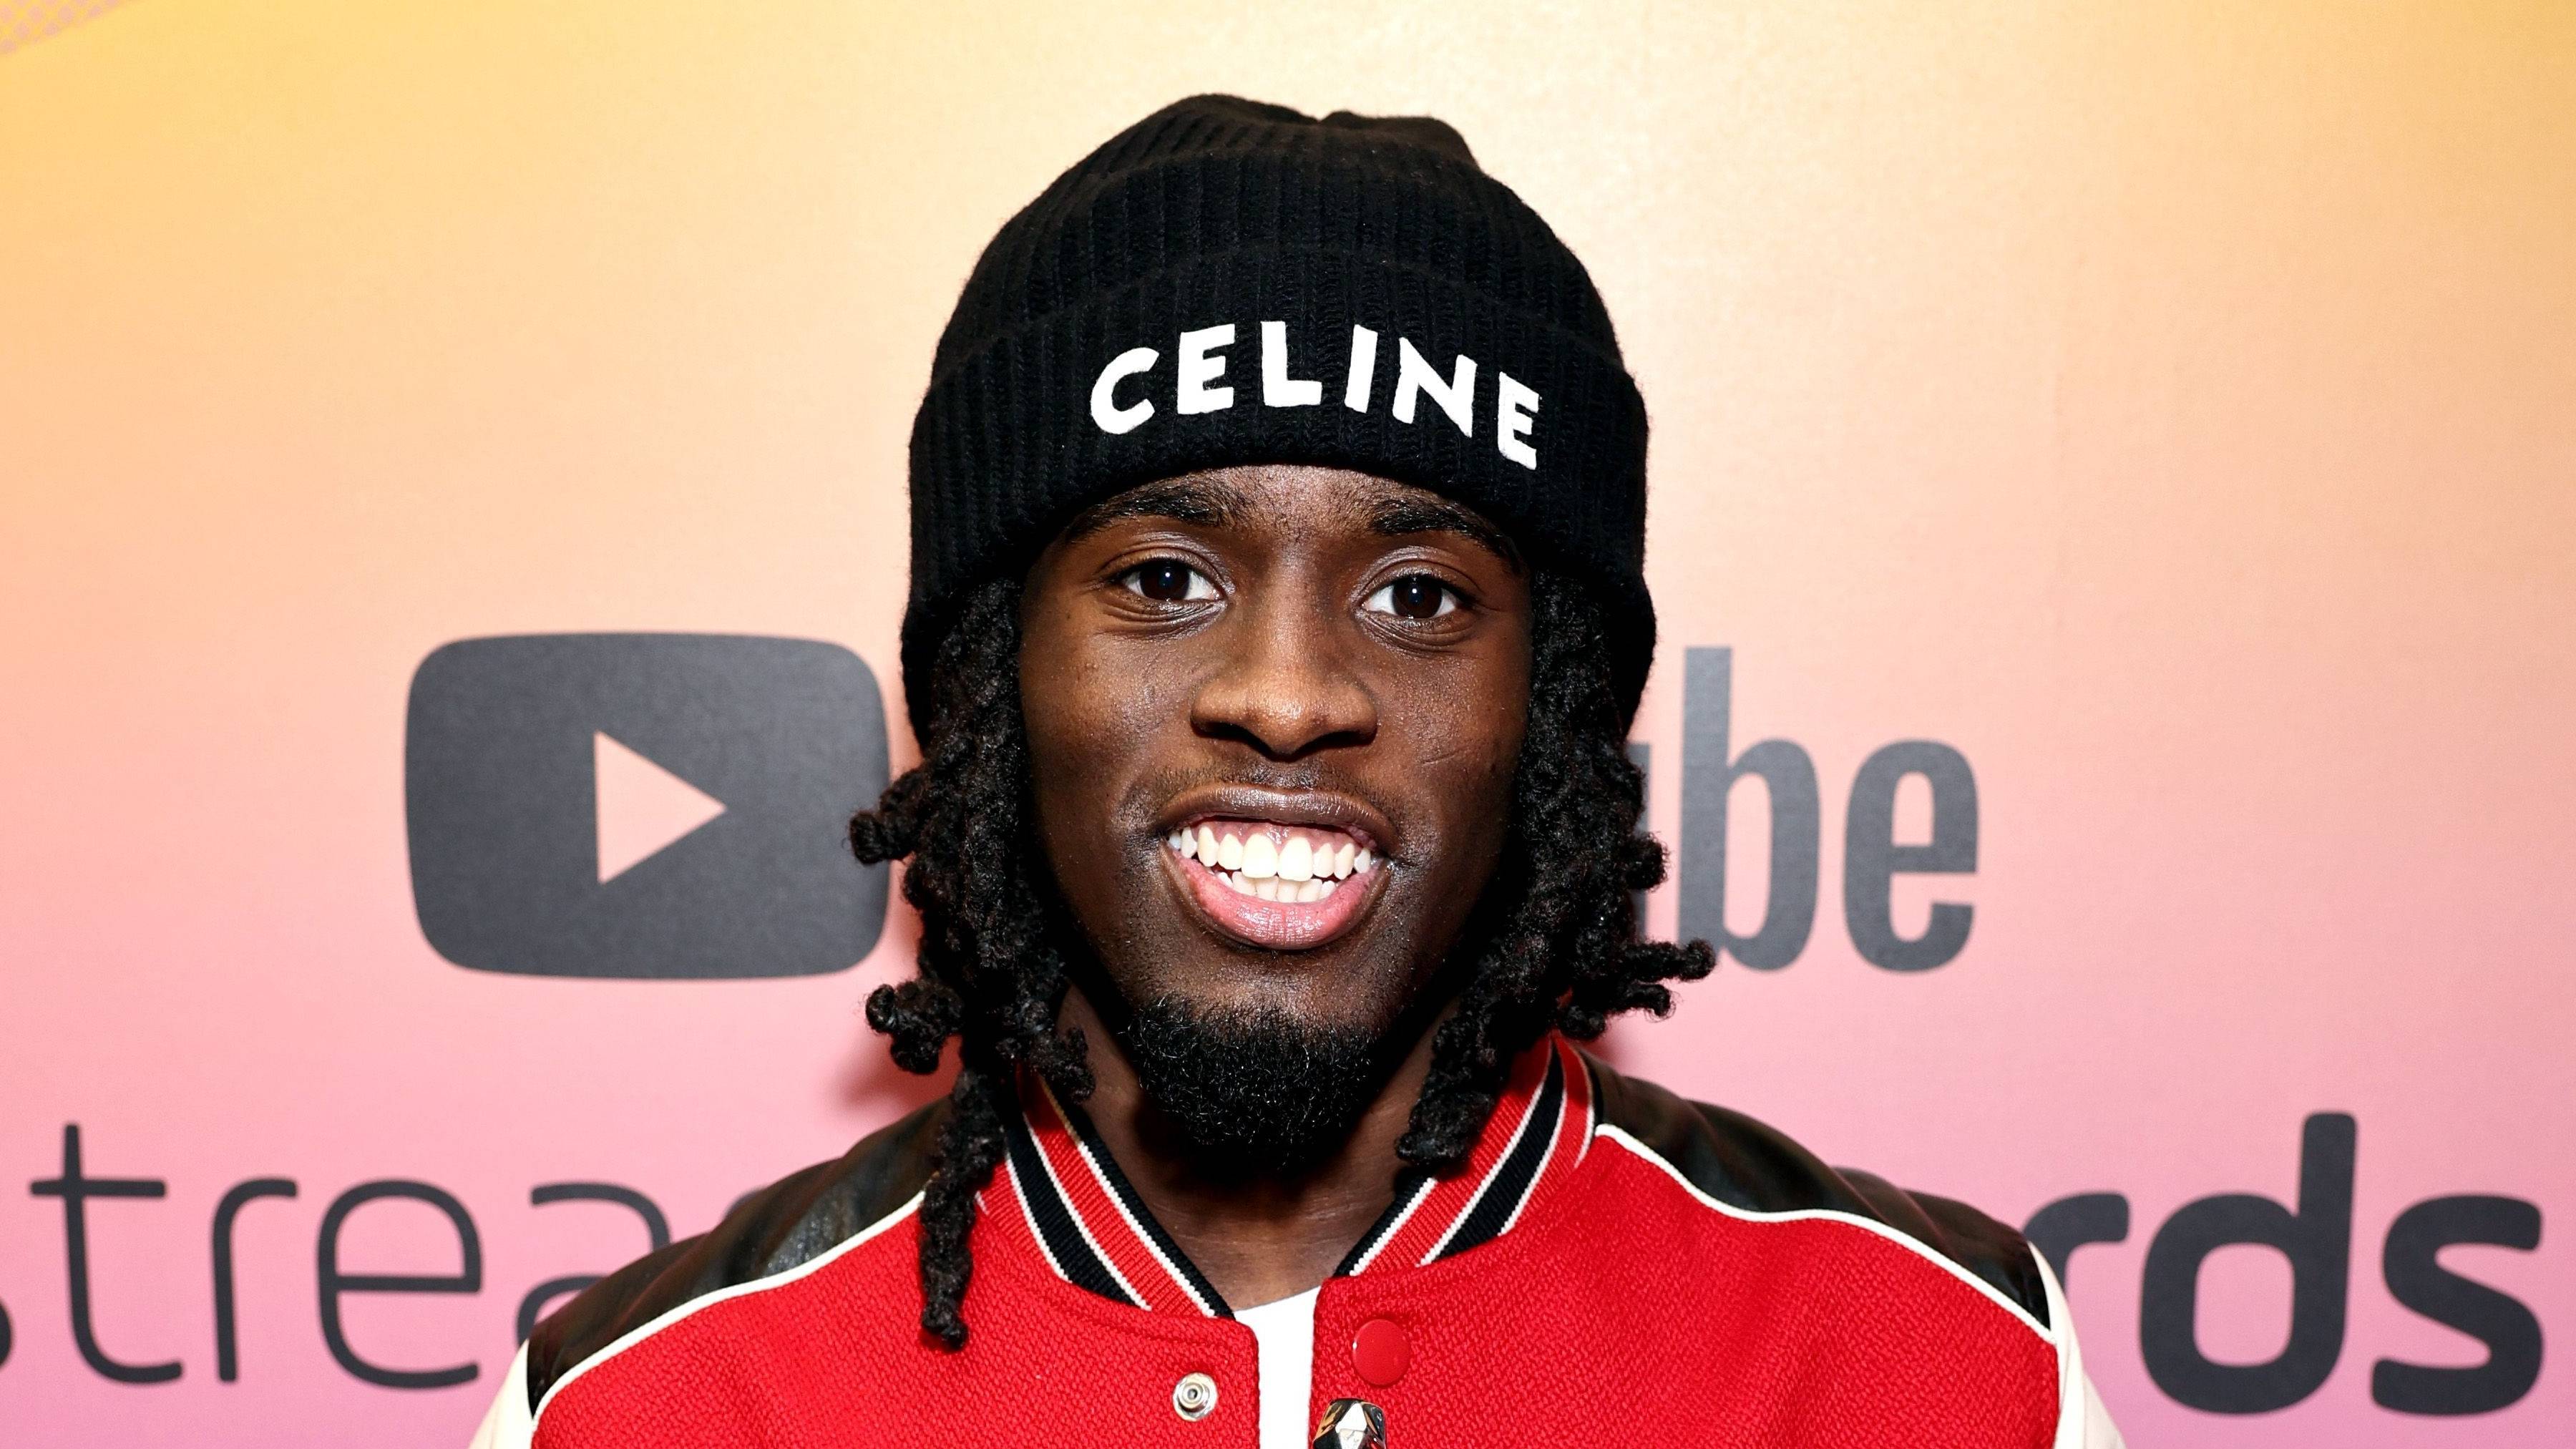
[{"x": 2165, "y": 406}]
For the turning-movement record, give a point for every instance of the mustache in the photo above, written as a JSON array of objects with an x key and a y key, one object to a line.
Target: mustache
[{"x": 1262, "y": 775}]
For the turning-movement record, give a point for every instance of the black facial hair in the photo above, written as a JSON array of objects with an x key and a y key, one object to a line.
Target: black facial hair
[{"x": 1257, "y": 1093}]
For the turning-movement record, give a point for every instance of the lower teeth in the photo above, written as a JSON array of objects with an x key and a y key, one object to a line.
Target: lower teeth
[{"x": 1295, "y": 892}]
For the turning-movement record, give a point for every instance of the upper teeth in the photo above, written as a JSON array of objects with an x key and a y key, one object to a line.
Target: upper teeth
[{"x": 1275, "y": 864}]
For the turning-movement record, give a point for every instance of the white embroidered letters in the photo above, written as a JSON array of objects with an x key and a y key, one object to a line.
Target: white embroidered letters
[
  {"x": 1198, "y": 367},
  {"x": 1278, "y": 390},
  {"x": 1456, "y": 397},
  {"x": 1104, "y": 402},
  {"x": 1355, "y": 393},
  {"x": 1514, "y": 405}
]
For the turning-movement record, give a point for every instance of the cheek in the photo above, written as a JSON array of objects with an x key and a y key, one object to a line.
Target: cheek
[
  {"x": 1062, "y": 700},
  {"x": 1478, "y": 776},
  {"x": 1091, "y": 722},
  {"x": 1066, "y": 745},
  {"x": 1467, "y": 745}
]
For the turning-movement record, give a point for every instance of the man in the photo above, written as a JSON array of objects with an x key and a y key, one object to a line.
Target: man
[{"x": 1277, "y": 618}]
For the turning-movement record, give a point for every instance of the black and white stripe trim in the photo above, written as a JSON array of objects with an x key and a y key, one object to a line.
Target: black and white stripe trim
[
  {"x": 1498, "y": 1202},
  {"x": 1132, "y": 1208},
  {"x": 1411, "y": 1186},
  {"x": 1060, "y": 1230}
]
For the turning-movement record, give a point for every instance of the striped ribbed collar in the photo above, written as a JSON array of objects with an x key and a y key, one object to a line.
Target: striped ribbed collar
[{"x": 1060, "y": 1182}]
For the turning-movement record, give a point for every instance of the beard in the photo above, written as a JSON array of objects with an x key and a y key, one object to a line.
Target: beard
[{"x": 1256, "y": 1092}]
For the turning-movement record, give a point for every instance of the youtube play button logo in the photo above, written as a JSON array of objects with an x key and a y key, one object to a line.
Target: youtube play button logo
[{"x": 643, "y": 805}]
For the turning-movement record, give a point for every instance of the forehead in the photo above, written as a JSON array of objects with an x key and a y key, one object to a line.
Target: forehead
[{"x": 1311, "y": 502}]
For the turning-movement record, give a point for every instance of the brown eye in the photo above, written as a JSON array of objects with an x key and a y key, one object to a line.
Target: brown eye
[
  {"x": 1414, "y": 596},
  {"x": 1169, "y": 581}
]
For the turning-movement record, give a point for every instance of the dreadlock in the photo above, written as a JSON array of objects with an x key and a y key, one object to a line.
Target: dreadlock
[{"x": 1565, "y": 953}]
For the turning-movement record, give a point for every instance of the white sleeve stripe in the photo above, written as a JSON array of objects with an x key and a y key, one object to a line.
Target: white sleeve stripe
[
  {"x": 2070, "y": 1364},
  {"x": 2082, "y": 1422},
  {"x": 509, "y": 1425},
  {"x": 2099, "y": 1431},
  {"x": 1904, "y": 1240},
  {"x": 635, "y": 1336}
]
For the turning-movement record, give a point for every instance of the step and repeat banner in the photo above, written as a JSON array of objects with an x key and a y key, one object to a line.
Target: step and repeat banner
[{"x": 2114, "y": 474}]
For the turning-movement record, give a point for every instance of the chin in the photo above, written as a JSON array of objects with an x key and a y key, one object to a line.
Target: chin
[{"x": 1253, "y": 1091}]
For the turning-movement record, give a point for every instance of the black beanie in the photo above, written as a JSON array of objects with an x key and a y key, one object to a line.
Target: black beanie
[{"x": 1228, "y": 283}]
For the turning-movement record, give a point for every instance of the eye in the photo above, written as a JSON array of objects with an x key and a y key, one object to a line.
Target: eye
[
  {"x": 1169, "y": 581},
  {"x": 1415, "y": 596}
]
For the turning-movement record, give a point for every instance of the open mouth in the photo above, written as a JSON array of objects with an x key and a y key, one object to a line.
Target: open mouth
[{"x": 1285, "y": 887}]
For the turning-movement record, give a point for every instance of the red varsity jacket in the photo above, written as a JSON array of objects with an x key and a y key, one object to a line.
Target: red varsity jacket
[{"x": 1613, "y": 1265}]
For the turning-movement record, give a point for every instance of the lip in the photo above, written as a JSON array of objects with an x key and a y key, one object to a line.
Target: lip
[
  {"x": 1277, "y": 925},
  {"x": 1274, "y": 925},
  {"x": 1354, "y": 817}
]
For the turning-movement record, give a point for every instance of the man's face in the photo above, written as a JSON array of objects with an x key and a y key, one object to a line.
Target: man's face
[{"x": 1323, "y": 675}]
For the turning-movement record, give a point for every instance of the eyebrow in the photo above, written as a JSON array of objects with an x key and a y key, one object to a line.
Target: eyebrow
[
  {"x": 1206, "y": 503},
  {"x": 1196, "y": 501},
  {"x": 1419, "y": 513}
]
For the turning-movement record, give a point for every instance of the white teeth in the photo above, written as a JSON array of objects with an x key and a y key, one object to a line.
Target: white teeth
[
  {"x": 1292, "y": 868},
  {"x": 1260, "y": 858}
]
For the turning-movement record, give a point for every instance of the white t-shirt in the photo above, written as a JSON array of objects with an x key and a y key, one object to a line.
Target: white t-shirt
[{"x": 1286, "y": 1332}]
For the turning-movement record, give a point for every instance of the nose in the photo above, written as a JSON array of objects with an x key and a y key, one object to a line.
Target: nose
[{"x": 1285, "y": 686}]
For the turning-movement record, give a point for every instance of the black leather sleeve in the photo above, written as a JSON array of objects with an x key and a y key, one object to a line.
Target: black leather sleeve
[
  {"x": 791, "y": 1221},
  {"x": 1744, "y": 1164}
]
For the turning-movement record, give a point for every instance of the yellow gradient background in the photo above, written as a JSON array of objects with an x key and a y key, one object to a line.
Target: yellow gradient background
[{"x": 2171, "y": 406}]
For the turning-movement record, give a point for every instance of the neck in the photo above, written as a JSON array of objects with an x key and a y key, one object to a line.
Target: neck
[{"x": 1263, "y": 1240}]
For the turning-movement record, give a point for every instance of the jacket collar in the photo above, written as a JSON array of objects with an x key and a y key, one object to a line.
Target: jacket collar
[{"x": 1060, "y": 1184}]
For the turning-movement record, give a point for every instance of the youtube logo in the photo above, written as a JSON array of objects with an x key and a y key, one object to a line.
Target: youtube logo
[{"x": 657, "y": 806}]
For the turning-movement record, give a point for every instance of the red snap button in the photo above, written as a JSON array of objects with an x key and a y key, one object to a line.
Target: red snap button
[{"x": 1380, "y": 1352}]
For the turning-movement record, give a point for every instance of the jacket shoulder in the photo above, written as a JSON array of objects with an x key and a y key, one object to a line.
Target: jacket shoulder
[
  {"x": 1754, "y": 1168},
  {"x": 782, "y": 1226}
]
